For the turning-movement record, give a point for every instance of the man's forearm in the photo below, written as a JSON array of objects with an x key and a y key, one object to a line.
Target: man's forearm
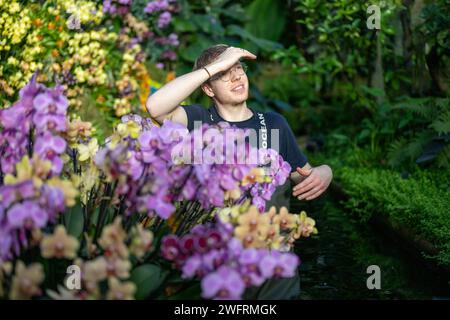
[{"x": 169, "y": 96}]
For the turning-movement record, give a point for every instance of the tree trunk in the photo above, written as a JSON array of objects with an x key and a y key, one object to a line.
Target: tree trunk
[{"x": 440, "y": 87}]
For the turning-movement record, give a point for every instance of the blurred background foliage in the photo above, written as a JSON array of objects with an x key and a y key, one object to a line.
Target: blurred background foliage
[{"x": 385, "y": 91}]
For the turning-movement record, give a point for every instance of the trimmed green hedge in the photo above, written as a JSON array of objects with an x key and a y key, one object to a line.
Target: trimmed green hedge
[{"x": 420, "y": 202}]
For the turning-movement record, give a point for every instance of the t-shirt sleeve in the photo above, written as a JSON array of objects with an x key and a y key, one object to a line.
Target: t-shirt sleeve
[
  {"x": 289, "y": 148},
  {"x": 194, "y": 113},
  {"x": 294, "y": 155}
]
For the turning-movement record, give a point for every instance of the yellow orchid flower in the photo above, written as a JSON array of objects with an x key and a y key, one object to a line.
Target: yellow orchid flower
[
  {"x": 273, "y": 237},
  {"x": 232, "y": 194},
  {"x": 41, "y": 167},
  {"x": 130, "y": 128},
  {"x": 254, "y": 219},
  {"x": 87, "y": 181},
  {"x": 305, "y": 226},
  {"x": 285, "y": 220},
  {"x": 59, "y": 244},
  {"x": 68, "y": 189},
  {"x": 24, "y": 171},
  {"x": 86, "y": 152},
  {"x": 229, "y": 214},
  {"x": 77, "y": 129},
  {"x": 253, "y": 228},
  {"x": 256, "y": 175},
  {"x": 26, "y": 281},
  {"x": 36, "y": 170}
]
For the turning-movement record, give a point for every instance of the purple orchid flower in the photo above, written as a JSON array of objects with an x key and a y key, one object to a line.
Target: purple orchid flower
[
  {"x": 49, "y": 147},
  {"x": 52, "y": 101},
  {"x": 169, "y": 247},
  {"x": 27, "y": 214},
  {"x": 278, "y": 264},
  {"x": 155, "y": 6},
  {"x": 164, "y": 19},
  {"x": 160, "y": 203},
  {"x": 12, "y": 193},
  {"x": 53, "y": 199},
  {"x": 225, "y": 283},
  {"x": 192, "y": 267},
  {"x": 48, "y": 122}
]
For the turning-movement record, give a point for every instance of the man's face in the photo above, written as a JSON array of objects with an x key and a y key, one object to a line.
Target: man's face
[{"x": 229, "y": 87}]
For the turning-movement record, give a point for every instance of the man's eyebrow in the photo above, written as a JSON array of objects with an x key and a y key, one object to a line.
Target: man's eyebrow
[{"x": 234, "y": 65}]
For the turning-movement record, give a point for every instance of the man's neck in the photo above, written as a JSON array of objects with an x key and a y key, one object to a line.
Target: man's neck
[{"x": 234, "y": 113}]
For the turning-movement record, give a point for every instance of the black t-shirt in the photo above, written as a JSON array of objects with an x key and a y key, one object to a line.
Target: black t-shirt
[{"x": 288, "y": 147}]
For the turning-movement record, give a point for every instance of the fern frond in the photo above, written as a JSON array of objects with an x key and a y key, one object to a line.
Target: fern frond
[
  {"x": 417, "y": 144},
  {"x": 420, "y": 106},
  {"x": 396, "y": 152},
  {"x": 442, "y": 103},
  {"x": 443, "y": 158},
  {"x": 442, "y": 124}
]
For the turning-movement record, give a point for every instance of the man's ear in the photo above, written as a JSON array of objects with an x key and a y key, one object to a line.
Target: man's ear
[{"x": 207, "y": 90}]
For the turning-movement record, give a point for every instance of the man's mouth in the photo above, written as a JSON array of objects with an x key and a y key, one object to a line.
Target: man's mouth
[{"x": 238, "y": 88}]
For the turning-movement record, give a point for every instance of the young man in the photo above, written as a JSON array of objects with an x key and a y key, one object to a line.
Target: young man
[{"x": 221, "y": 76}]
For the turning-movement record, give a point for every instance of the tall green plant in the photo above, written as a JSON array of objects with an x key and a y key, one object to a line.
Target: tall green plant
[
  {"x": 204, "y": 23},
  {"x": 424, "y": 134}
]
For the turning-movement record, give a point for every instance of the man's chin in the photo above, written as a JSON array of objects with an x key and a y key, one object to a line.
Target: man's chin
[
  {"x": 234, "y": 100},
  {"x": 239, "y": 100}
]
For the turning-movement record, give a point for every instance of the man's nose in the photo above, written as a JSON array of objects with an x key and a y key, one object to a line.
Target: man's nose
[{"x": 234, "y": 75}]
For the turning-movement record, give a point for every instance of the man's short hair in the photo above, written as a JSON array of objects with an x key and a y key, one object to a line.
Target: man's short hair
[{"x": 209, "y": 55}]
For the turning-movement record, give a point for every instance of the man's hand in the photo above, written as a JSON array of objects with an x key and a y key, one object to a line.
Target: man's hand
[
  {"x": 227, "y": 59},
  {"x": 316, "y": 181}
]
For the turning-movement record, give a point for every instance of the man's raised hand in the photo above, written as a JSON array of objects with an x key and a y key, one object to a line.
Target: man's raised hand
[{"x": 229, "y": 58}]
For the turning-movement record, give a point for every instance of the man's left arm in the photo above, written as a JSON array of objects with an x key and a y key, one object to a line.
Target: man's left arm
[{"x": 311, "y": 182}]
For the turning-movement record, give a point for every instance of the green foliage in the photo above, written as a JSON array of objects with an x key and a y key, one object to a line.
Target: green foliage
[
  {"x": 101, "y": 115},
  {"x": 192, "y": 292},
  {"x": 436, "y": 25},
  {"x": 332, "y": 60},
  {"x": 411, "y": 132},
  {"x": 74, "y": 220},
  {"x": 399, "y": 280},
  {"x": 424, "y": 132},
  {"x": 443, "y": 157},
  {"x": 330, "y": 34},
  {"x": 266, "y": 19},
  {"x": 419, "y": 202},
  {"x": 205, "y": 23},
  {"x": 147, "y": 279},
  {"x": 442, "y": 124}
]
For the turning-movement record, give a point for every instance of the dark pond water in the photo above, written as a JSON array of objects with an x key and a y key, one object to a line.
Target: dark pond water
[{"x": 334, "y": 262}]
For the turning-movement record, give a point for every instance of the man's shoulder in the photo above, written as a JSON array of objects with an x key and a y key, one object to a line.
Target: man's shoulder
[
  {"x": 194, "y": 107},
  {"x": 196, "y": 111}
]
